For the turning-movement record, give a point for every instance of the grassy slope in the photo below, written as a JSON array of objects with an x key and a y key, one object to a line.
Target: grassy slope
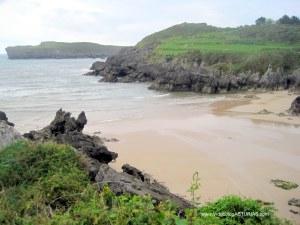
[
  {"x": 76, "y": 46},
  {"x": 247, "y": 47},
  {"x": 45, "y": 184}
]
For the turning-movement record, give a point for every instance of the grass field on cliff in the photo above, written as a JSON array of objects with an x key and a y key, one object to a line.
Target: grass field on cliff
[
  {"x": 46, "y": 184},
  {"x": 245, "y": 48},
  {"x": 216, "y": 43}
]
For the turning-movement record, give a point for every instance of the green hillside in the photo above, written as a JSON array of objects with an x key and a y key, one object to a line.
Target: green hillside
[{"x": 246, "y": 47}]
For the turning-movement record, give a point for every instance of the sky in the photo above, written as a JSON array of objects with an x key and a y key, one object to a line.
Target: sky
[{"x": 123, "y": 22}]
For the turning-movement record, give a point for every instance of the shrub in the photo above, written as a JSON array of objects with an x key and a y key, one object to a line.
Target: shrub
[{"x": 45, "y": 184}]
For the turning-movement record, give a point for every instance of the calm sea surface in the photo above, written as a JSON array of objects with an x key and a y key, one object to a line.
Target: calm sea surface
[{"x": 31, "y": 91}]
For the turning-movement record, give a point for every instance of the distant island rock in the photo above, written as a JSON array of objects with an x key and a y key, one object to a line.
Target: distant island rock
[{"x": 62, "y": 50}]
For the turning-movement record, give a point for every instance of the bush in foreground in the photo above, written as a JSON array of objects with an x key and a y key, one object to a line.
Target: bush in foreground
[{"x": 46, "y": 184}]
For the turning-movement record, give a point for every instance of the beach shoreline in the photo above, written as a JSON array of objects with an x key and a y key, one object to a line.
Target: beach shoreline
[
  {"x": 259, "y": 106},
  {"x": 235, "y": 150}
]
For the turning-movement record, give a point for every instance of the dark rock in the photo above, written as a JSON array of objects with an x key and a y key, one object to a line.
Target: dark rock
[
  {"x": 295, "y": 107},
  {"x": 96, "y": 69},
  {"x": 81, "y": 121},
  {"x": 189, "y": 74},
  {"x": 3, "y": 117},
  {"x": 121, "y": 183},
  {"x": 91, "y": 165},
  {"x": 286, "y": 185},
  {"x": 95, "y": 158},
  {"x": 294, "y": 202},
  {"x": 294, "y": 211},
  {"x": 133, "y": 172},
  {"x": 97, "y": 66},
  {"x": 109, "y": 139},
  {"x": 68, "y": 130}
]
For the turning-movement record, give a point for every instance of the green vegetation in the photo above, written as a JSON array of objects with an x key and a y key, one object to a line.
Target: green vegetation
[
  {"x": 286, "y": 185},
  {"x": 243, "y": 48},
  {"x": 45, "y": 184}
]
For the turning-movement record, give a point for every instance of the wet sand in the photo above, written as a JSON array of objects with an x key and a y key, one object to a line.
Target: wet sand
[
  {"x": 269, "y": 106},
  {"x": 224, "y": 142}
]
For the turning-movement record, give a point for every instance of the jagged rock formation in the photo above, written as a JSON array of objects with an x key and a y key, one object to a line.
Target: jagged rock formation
[
  {"x": 3, "y": 117},
  {"x": 133, "y": 181},
  {"x": 96, "y": 68},
  {"x": 61, "y": 50},
  {"x": 133, "y": 65},
  {"x": 68, "y": 130},
  {"x": 8, "y": 134},
  {"x": 95, "y": 157},
  {"x": 295, "y": 107}
]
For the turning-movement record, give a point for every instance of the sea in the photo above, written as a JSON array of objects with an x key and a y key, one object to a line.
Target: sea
[{"x": 32, "y": 90}]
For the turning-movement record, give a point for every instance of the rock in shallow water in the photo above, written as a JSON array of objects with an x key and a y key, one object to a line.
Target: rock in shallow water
[{"x": 96, "y": 68}]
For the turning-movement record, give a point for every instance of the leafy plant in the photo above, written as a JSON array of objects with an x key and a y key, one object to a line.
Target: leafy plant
[{"x": 45, "y": 184}]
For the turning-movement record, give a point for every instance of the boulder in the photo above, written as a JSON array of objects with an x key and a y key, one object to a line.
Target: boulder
[
  {"x": 96, "y": 69},
  {"x": 68, "y": 130},
  {"x": 295, "y": 107},
  {"x": 3, "y": 117},
  {"x": 294, "y": 202},
  {"x": 98, "y": 66},
  {"x": 8, "y": 134},
  {"x": 132, "y": 181}
]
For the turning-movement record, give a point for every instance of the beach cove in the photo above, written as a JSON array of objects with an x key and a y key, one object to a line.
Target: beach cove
[{"x": 235, "y": 148}]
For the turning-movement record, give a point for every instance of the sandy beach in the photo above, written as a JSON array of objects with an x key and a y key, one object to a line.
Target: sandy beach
[
  {"x": 235, "y": 149},
  {"x": 269, "y": 106}
]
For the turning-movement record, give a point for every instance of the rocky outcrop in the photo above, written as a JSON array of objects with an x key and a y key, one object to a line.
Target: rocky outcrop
[
  {"x": 96, "y": 68},
  {"x": 294, "y": 202},
  {"x": 295, "y": 107},
  {"x": 133, "y": 181},
  {"x": 4, "y": 118},
  {"x": 188, "y": 74},
  {"x": 61, "y": 50},
  {"x": 95, "y": 158},
  {"x": 68, "y": 130},
  {"x": 8, "y": 134}
]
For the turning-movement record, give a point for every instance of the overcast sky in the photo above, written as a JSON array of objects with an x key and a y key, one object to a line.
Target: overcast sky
[{"x": 123, "y": 22}]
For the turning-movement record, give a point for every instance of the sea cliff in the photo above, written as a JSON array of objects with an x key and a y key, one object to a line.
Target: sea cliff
[{"x": 207, "y": 59}]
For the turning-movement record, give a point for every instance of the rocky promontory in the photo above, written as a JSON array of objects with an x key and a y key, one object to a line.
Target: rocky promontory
[
  {"x": 207, "y": 59},
  {"x": 95, "y": 156},
  {"x": 188, "y": 74},
  {"x": 62, "y": 50}
]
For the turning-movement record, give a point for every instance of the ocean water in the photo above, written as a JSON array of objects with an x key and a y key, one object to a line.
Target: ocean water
[{"x": 31, "y": 91}]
